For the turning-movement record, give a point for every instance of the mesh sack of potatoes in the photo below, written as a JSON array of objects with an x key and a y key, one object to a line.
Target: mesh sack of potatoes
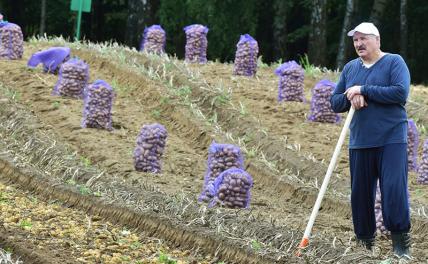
[
  {"x": 220, "y": 158},
  {"x": 51, "y": 59},
  {"x": 290, "y": 86},
  {"x": 423, "y": 167},
  {"x": 320, "y": 103},
  {"x": 97, "y": 104},
  {"x": 11, "y": 41},
  {"x": 380, "y": 226},
  {"x": 232, "y": 189},
  {"x": 196, "y": 43},
  {"x": 246, "y": 56},
  {"x": 412, "y": 145},
  {"x": 73, "y": 79},
  {"x": 150, "y": 147},
  {"x": 153, "y": 41}
]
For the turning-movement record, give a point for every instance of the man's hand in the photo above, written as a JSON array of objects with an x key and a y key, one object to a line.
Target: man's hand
[
  {"x": 358, "y": 102},
  {"x": 353, "y": 91}
]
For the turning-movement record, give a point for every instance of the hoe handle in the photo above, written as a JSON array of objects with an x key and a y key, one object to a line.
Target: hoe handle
[{"x": 305, "y": 240}]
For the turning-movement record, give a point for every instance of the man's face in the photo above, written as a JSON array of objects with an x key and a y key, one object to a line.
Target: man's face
[{"x": 366, "y": 45}]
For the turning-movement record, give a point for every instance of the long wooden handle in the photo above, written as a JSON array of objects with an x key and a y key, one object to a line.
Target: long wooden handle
[{"x": 305, "y": 240}]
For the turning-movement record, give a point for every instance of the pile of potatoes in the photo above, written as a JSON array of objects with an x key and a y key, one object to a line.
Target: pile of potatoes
[
  {"x": 232, "y": 188},
  {"x": 150, "y": 147},
  {"x": 423, "y": 169},
  {"x": 220, "y": 158},
  {"x": 320, "y": 103},
  {"x": 196, "y": 43},
  {"x": 378, "y": 213},
  {"x": 412, "y": 145},
  {"x": 154, "y": 38},
  {"x": 291, "y": 77},
  {"x": 11, "y": 41},
  {"x": 246, "y": 56},
  {"x": 97, "y": 105},
  {"x": 73, "y": 79}
]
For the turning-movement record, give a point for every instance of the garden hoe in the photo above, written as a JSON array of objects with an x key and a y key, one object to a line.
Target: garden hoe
[{"x": 305, "y": 240}]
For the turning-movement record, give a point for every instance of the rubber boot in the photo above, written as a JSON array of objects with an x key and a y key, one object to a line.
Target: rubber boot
[
  {"x": 368, "y": 243},
  {"x": 401, "y": 244}
]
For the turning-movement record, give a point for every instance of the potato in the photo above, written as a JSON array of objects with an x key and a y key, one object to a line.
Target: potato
[
  {"x": 97, "y": 104},
  {"x": 150, "y": 147},
  {"x": 196, "y": 43},
  {"x": 423, "y": 168},
  {"x": 73, "y": 79},
  {"x": 11, "y": 42},
  {"x": 153, "y": 41},
  {"x": 320, "y": 103},
  {"x": 412, "y": 145},
  {"x": 246, "y": 56},
  {"x": 290, "y": 87},
  {"x": 218, "y": 155},
  {"x": 228, "y": 190}
]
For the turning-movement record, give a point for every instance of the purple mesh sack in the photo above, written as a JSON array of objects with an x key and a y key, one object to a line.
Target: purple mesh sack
[
  {"x": 196, "y": 43},
  {"x": 423, "y": 168},
  {"x": 380, "y": 226},
  {"x": 220, "y": 158},
  {"x": 412, "y": 145},
  {"x": 51, "y": 58},
  {"x": 290, "y": 87},
  {"x": 153, "y": 41},
  {"x": 246, "y": 56},
  {"x": 11, "y": 41},
  {"x": 232, "y": 189},
  {"x": 97, "y": 103},
  {"x": 150, "y": 147},
  {"x": 73, "y": 79},
  {"x": 320, "y": 103}
]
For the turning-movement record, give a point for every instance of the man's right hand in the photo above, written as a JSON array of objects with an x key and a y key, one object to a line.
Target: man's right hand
[{"x": 358, "y": 102}]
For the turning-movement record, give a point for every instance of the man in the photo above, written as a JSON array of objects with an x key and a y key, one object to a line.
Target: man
[{"x": 376, "y": 85}]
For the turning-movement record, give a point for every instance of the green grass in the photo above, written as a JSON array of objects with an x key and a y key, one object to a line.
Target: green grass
[
  {"x": 165, "y": 259},
  {"x": 26, "y": 224},
  {"x": 310, "y": 69}
]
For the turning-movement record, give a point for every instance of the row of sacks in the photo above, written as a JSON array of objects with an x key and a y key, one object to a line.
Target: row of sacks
[
  {"x": 73, "y": 82},
  {"x": 225, "y": 182},
  {"x": 154, "y": 39},
  {"x": 97, "y": 103}
]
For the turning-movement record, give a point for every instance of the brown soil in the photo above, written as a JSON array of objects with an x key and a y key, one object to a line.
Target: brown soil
[
  {"x": 52, "y": 233},
  {"x": 278, "y": 201}
]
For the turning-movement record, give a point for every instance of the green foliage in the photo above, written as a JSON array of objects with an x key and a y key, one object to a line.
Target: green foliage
[
  {"x": 86, "y": 161},
  {"x": 71, "y": 182},
  {"x": 156, "y": 113},
  {"x": 25, "y": 224},
  {"x": 256, "y": 245},
  {"x": 3, "y": 199},
  {"x": 165, "y": 259},
  {"x": 310, "y": 69},
  {"x": 83, "y": 190},
  {"x": 56, "y": 104}
]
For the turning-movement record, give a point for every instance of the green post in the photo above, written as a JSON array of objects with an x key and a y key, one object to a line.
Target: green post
[{"x": 79, "y": 19}]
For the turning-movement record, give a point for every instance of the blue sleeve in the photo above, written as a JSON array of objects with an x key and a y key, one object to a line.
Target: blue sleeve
[
  {"x": 339, "y": 102},
  {"x": 398, "y": 90}
]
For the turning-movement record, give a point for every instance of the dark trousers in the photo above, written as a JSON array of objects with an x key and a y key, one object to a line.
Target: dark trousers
[{"x": 389, "y": 165}]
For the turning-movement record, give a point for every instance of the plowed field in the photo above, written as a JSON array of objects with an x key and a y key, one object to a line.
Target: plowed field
[{"x": 286, "y": 155}]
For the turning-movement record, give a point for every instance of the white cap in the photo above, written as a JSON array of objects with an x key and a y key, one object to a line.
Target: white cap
[{"x": 365, "y": 28}]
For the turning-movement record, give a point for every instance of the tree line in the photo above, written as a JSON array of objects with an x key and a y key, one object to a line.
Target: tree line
[{"x": 285, "y": 29}]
